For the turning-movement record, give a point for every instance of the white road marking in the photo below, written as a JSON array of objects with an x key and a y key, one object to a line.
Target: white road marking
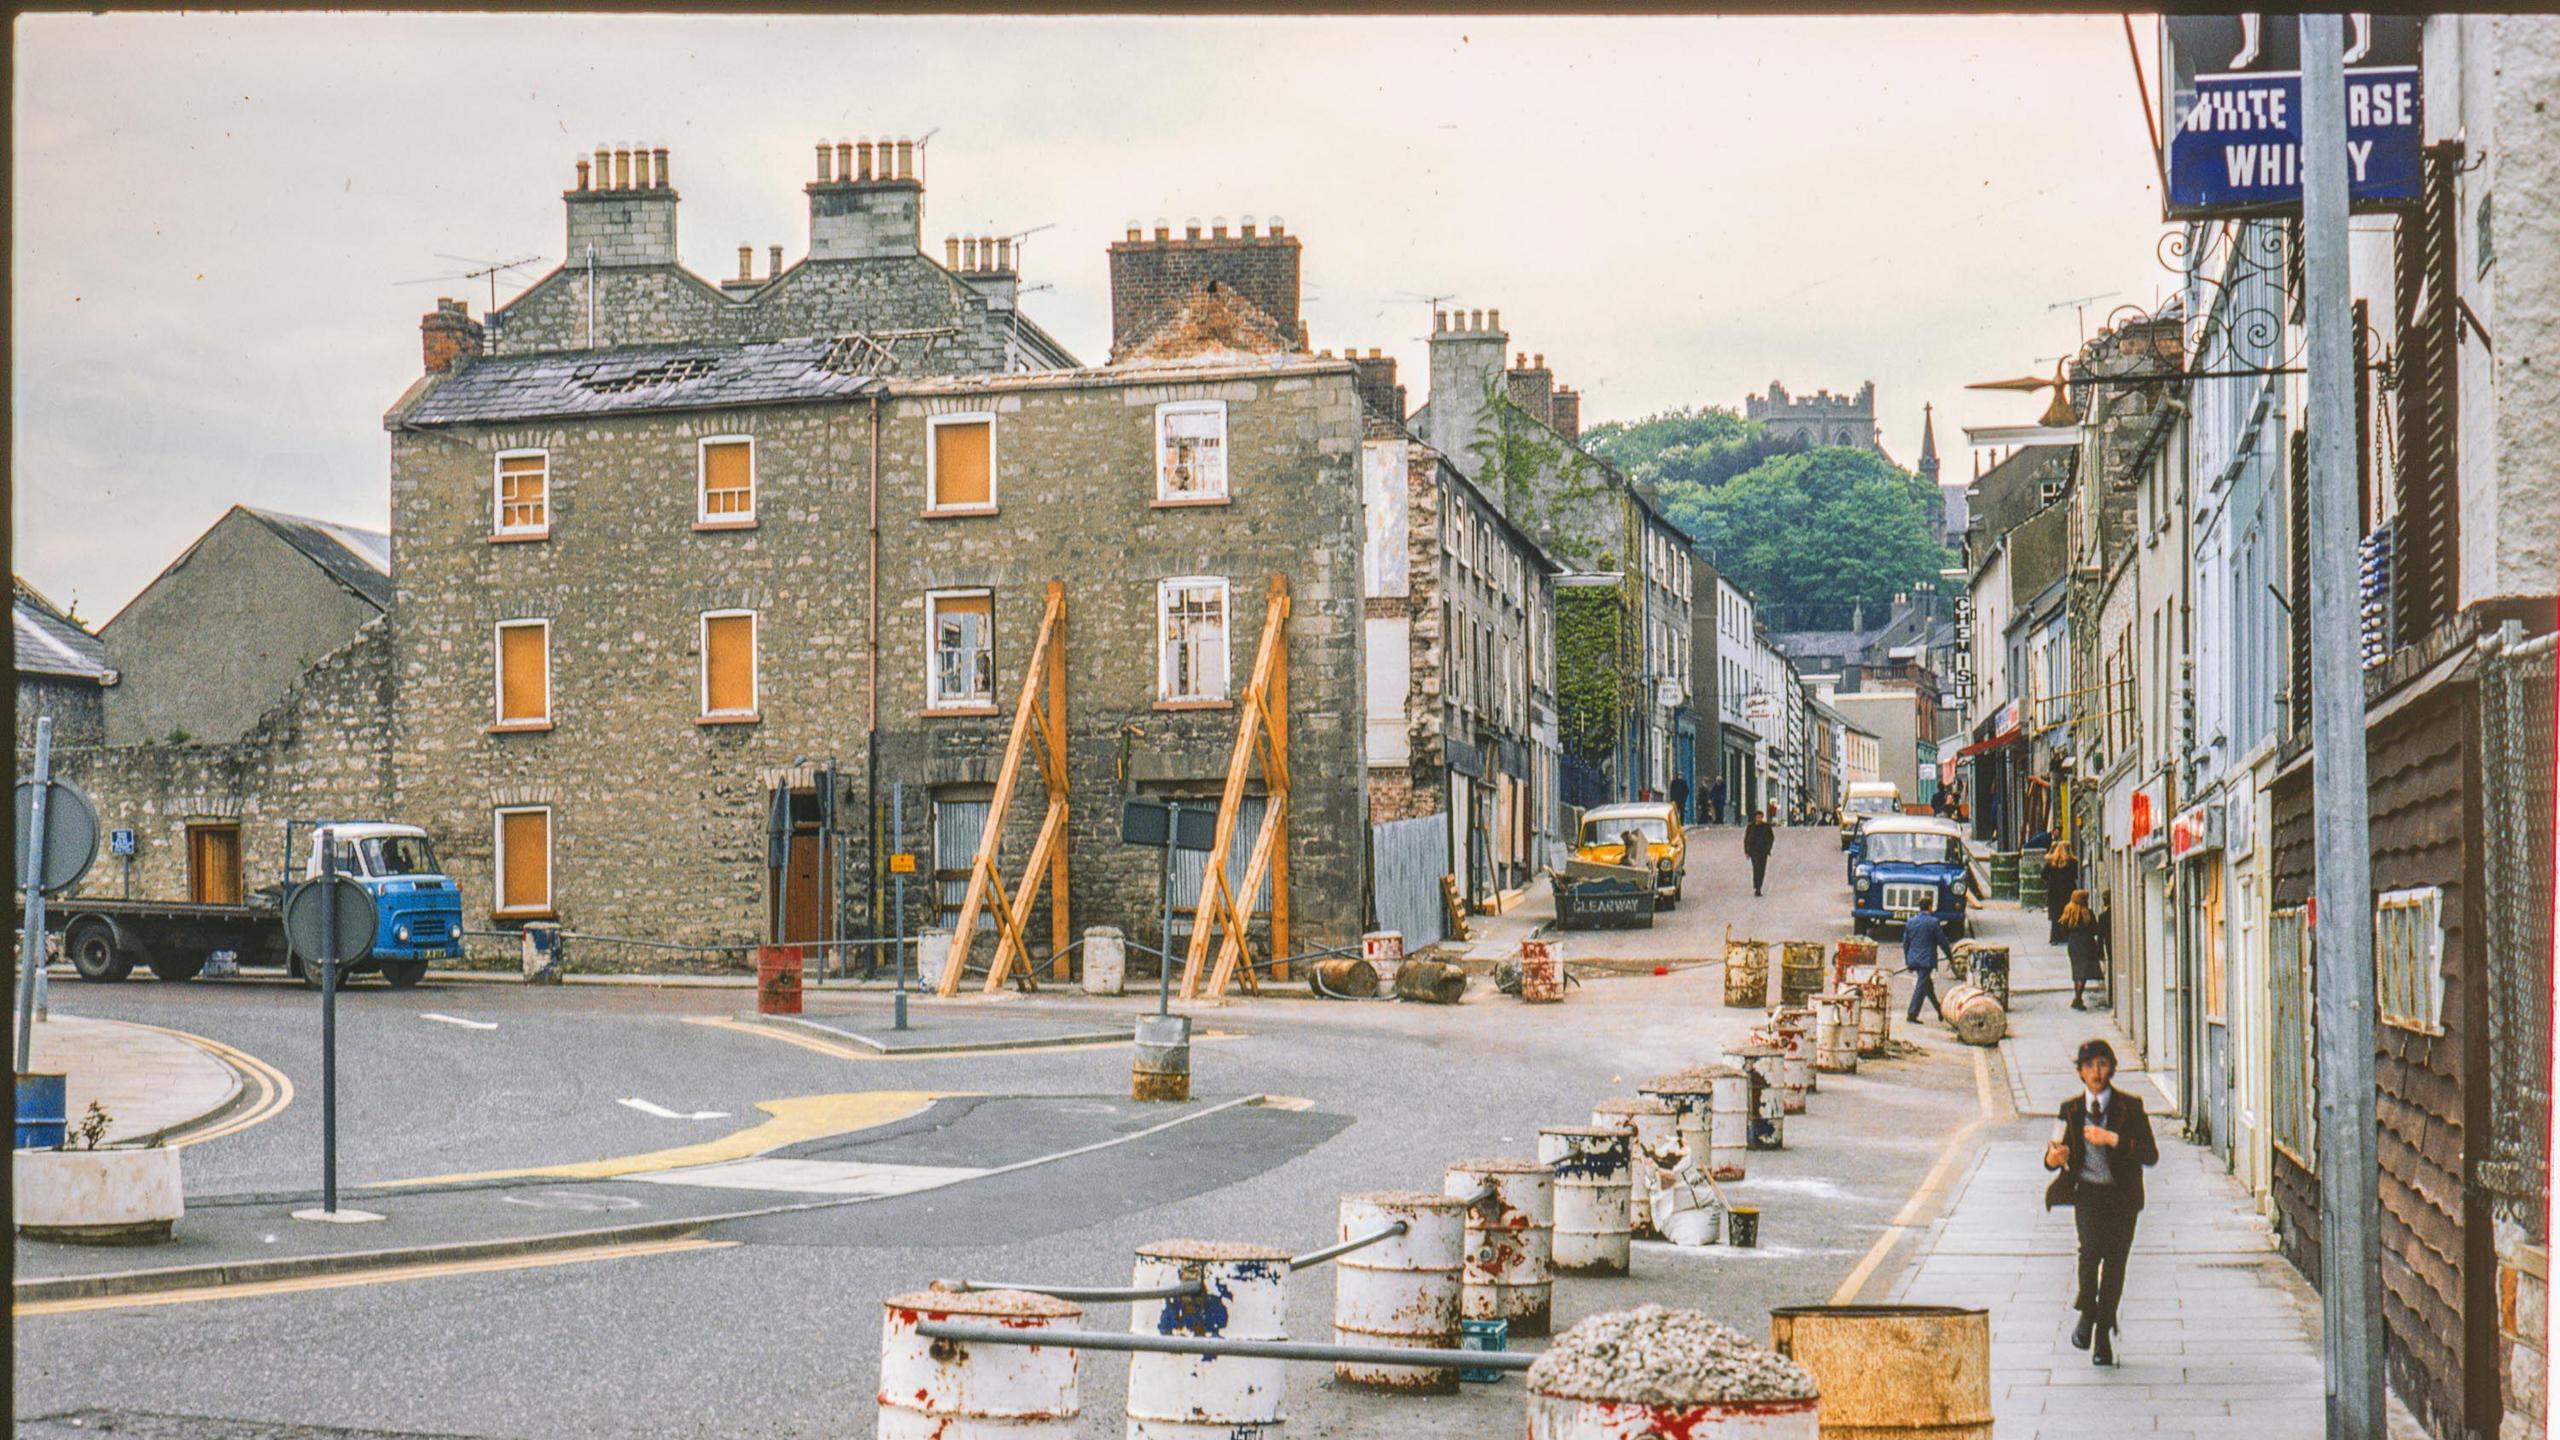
[
  {"x": 663, "y": 1113},
  {"x": 457, "y": 1020},
  {"x": 814, "y": 1177}
]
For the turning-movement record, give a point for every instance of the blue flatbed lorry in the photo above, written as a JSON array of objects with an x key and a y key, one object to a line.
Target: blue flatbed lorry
[{"x": 419, "y": 908}]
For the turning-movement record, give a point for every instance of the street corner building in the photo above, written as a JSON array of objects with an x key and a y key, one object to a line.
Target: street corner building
[{"x": 712, "y": 599}]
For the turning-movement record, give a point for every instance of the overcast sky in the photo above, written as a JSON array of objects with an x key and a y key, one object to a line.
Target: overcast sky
[{"x": 219, "y": 219}]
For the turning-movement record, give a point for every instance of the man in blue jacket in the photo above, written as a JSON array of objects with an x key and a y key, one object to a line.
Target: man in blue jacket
[{"x": 1924, "y": 939}]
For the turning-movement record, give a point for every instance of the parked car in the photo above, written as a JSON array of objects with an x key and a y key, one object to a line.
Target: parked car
[
  {"x": 1602, "y": 840},
  {"x": 1864, "y": 798},
  {"x": 1906, "y": 864}
]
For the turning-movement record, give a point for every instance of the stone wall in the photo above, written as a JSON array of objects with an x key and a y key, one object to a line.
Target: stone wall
[
  {"x": 77, "y": 706},
  {"x": 1150, "y": 277}
]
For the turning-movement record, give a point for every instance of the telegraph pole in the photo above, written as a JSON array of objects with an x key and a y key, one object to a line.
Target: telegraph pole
[{"x": 2350, "y": 1279}]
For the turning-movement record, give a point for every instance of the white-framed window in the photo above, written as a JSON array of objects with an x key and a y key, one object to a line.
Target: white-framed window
[
  {"x": 726, "y": 491},
  {"x": 960, "y": 642},
  {"x": 729, "y": 646},
  {"x": 2408, "y": 959},
  {"x": 523, "y": 846},
  {"x": 1191, "y": 450},
  {"x": 1191, "y": 638},
  {"x": 520, "y": 494},
  {"x": 960, "y": 464},
  {"x": 521, "y": 675}
]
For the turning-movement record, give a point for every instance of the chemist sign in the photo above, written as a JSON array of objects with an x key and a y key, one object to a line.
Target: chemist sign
[{"x": 2232, "y": 104}]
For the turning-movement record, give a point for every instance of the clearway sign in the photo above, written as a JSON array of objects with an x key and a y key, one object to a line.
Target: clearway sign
[{"x": 2234, "y": 112}]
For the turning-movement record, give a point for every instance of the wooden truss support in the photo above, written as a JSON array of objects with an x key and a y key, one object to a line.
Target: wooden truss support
[
  {"x": 1041, "y": 716},
  {"x": 1262, "y": 730}
]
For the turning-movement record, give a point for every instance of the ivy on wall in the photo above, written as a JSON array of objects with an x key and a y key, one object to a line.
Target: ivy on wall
[{"x": 1591, "y": 700}]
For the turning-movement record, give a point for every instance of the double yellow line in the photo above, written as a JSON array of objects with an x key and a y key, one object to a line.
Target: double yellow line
[
  {"x": 1910, "y": 1217},
  {"x": 269, "y": 1091}
]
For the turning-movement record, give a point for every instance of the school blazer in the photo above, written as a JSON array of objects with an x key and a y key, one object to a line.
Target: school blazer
[{"x": 2135, "y": 1149}]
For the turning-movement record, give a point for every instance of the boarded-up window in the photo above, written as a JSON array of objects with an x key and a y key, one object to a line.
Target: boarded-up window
[
  {"x": 524, "y": 861},
  {"x": 1191, "y": 450},
  {"x": 1192, "y": 638},
  {"x": 524, "y": 672},
  {"x": 962, "y": 463},
  {"x": 524, "y": 493},
  {"x": 962, "y": 626},
  {"x": 1190, "y": 867},
  {"x": 958, "y": 824},
  {"x": 729, "y": 663},
  {"x": 728, "y": 480}
]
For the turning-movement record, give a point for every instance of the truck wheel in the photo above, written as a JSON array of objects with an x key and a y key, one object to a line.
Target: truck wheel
[
  {"x": 94, "y": 956},
  {"x": 177, "y": 969},
  {"x": 312, "y": 971},
  {"x": 404, "y": 973}
]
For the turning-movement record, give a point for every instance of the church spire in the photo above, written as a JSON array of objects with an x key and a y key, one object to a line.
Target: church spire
[{"x": 1928, "y": 444}]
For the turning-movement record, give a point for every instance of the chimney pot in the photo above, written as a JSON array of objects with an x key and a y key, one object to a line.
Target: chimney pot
[
  {"x": 621, "y": 169},
  {"x": 640, "y": 168},
  {"x": 1246, "y": 228},
  {"x": 746, "y": 262},
  {"x": 1277, "y": 229},
  {"x": 582, "y": 172},
  {"x": 951, "y": 251},
  {"x": 1218, "y": 227},
  {"x": 1164, "y": 232},
  {"x": 1475, "y": 320},
  {"x": 851, "y": 154},
  {"x": 1191, "y": 228},
  {"x": 660, "y": 155},
  {"x": 1133, "y": 231},
  {"x": 1519, "y": 359},
  {"x": 826, "y": 163},
  {"x": 604, "y": 168},
  {"x": 1004, "y": 252},
  {"x": 774, "y": 254},
  {"x": 1373, "y": 352},
  {"x": 906, "y": 159},
  {"x": 1539, "y": 362},
  {"x": 1439, "y": 321},
  {"x": 1493, "y": 320}
]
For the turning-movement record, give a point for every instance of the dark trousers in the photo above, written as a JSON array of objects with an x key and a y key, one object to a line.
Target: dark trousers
[
  {"x": 1759, "y": 872},
  {"x": 1924, "y": 986},
  {"x": 2105, "y": 1219}
]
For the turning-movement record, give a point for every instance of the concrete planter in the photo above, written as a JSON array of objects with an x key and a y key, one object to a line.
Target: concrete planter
[{"x": 98, "y": 1197}]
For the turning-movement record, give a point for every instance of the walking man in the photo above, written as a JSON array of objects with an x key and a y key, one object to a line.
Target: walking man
[
  {"x": 1924, "y": 940},
  {"x": 1680, "y": 797},
  {"x": 1715, "y": 801},
  {"x": 2101, "y": 1143},
  {"x": 1758, "y": 838}
]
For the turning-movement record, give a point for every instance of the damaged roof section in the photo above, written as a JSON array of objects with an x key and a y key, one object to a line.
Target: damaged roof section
[
  {"x": 697, "y": 376},
  {"x": 50, "y": 642},
  {"x": 1212, "y": 325},
  {"x": 360, "y": 560}
]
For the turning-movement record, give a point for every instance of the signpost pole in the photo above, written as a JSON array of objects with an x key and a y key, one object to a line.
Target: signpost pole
[
  {"x": 898, "y": 885},
  {"x": 328, "y": 1026},
  {"x": 1164, "y": 957},
  {"x": 31, "y": 949},
  {"x": 2350, "y": 1290}
]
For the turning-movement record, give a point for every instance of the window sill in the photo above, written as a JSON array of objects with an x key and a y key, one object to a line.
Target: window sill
[
  {"x": 939, "y": 711},
  {"x": 1191, "y": 503},
  {"x": 1195, "y": 705},
  {"x": 957, "y": 512},
  {"x": 749, "y": 717},
  {"x": 519, "y": 537},
  {"x": 747, "y": 524},
  {"x": 544, "y": 914},
  {"x": 520, "y": 727}
]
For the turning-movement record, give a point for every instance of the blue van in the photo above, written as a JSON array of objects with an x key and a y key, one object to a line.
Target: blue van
[{"x": 1904, "y": 864}]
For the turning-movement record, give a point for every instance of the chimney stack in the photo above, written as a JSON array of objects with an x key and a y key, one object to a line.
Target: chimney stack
[
  {"x": 1379, "y": 393},
  {"x": 624, "y": 209},
  {"x": 774, "y": 268},
  {"x": 873, "y": 209},
  {"x": 1466, "y": 366},
  {"x": 1151, "y": 278},
  {"x": 448, "y": 336},
  {"x": 1564, "y": 412},
  {"x": 1531, "y": 386}
]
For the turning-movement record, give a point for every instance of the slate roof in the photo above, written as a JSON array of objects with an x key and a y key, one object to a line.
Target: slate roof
[
  {"x": 643, "y": 378},
  {"x": 358, "y": 559},
  {"x": 49, "y": 642}
]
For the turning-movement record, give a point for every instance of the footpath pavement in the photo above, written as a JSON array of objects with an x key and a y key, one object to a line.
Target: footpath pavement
[
  {"x": 149, "y": 1081},
  {"x": 2220, "y": 1337}
]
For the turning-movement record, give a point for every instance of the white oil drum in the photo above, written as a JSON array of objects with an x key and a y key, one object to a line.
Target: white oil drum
[
  {"x": 1509, "y": 1271},
  {"x": 1687, "y": 1092},
  {"x": 1656, "y": 1372},
  {"x": 1403, "y": 1290},
  {"x": 1594, "y": 1190},
  {"x": 934, "y": 1389},
  {"x": 1652, "y": 1120},
  {"x": 1793, "y": 1032},
  {"x": 1835, "y": 1032},
  {"x": 1730, "y": 1118},
  {"x": 1194, "y": 1397}
]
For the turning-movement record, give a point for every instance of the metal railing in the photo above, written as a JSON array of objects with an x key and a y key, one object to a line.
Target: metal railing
[
  {"x": 944, "y": 1332},
  {"x": 2516, "y": 779}
]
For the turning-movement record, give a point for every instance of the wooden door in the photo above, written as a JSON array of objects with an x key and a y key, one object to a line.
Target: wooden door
[
  {"x": 213, "y": 864},
  {"x": 809, "y": 893}
]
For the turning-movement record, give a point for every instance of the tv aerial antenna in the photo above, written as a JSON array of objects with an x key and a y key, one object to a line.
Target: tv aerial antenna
[
  {"x": 2079, "y": 306},
  {"x": 489, "y": 270}
]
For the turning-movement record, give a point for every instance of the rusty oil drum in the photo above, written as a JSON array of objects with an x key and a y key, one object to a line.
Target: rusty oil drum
[
  {"x": 1594, "y": 1196},
  {"x": 1851, "y": 959},
  {"x": 1835, "y": 1032},
  {"x": 1161, "y": 1067},
  {"x": 1654, "y": 1122},
  {"x": 1893, "y": 1372},
  {"x": 1197, "y": 1397},
  {"x": 1541, "y": 971},
  {"x": 1509, "y": 1272},
  {"x": 1746, "y": 974},
  {"x": 935, "y": 1388},
  {"x": 777, "y": 979},
  {"x": 1800, "y": 969},
  {"x": 1402, "y": 1291}
]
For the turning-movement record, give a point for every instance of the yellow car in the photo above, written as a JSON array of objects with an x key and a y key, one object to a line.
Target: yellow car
[{"x": 1602, "y": 840}]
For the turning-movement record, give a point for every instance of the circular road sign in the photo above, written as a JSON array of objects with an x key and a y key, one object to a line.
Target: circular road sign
[
  {"x": 304, "y": 910},
  {"x": 70, "y": 834}
]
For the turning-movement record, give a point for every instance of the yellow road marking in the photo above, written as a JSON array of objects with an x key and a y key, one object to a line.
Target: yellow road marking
[
  {"x": 797, "y": 1119},
  {"x": 1907, "y": 1218},
  {"x": 384, "y": 1276},
  {"x": 275, "y": 1092},
  {"x": 807, "y": 1041}
]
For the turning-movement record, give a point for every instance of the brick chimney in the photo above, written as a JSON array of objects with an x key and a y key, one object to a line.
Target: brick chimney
[
  {"x": 1379, "y": 392},
  {"x": 866, "y": 203},
  {"x": 449, "y": 336},
  {"x": 1466, "y": 364},
  {"x": 1564, "y": 412},
  {"x": 625, "y": 209},
  {"x": 1151, "y": 276},
  {"x": 1530, "y": 384}
]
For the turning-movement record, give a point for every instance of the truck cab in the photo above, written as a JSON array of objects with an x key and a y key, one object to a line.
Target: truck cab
[
  {"x": 1907, "y": 864},
  {"x": 1602, "y": 839},
  {"x": 419, "y": 906}
]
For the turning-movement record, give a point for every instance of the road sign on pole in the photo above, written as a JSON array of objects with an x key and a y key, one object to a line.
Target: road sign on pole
[
  {"x": 328, "y": 921},
  {"x": 57, "y": 838}
]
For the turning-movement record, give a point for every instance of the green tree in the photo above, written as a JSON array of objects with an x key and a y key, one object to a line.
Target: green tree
[
  {"x": 1685, "y": 449},
  {"x": 1829, "y": 527}
]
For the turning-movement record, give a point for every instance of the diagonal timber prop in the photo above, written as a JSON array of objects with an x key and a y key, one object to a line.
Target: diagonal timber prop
[
  {"x": 1041, "y": 713},
  {"x": 1262, "y": 732}
]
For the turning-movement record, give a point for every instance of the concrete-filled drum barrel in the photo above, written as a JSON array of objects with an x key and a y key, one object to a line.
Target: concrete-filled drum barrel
[
  {"x": 1509, "y": 1271},
  {"x": 1976, "y": 1018},
  {"x": 1746, "y": 974},
  {"x": 1875, "y": 1017},
  {"x": 1658, "y": 1372},
  {"x": 1402, "y": 1291},
  {"x": 1241, "y": 1297},
  {"x": 929, "y": 1390},
  {"x": 1916, "y": 1371},
  {"x": 1799, "y": 971},
  {"x": 1851, "y": 958},
  {"x": 1594, "y": 1190},
  {"x": 1653, "y": 1122},
  {"x": 1835, "y": 1032},
  {"x": 1792, "y": 1031}
]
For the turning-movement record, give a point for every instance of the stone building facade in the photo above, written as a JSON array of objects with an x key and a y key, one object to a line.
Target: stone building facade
[
  {"x": 61, "y": 671},
  {"x": 1820, "y": 418}
]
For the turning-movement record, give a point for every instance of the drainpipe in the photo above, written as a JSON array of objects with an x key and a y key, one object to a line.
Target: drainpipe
[{"x": 871, "y": 676}]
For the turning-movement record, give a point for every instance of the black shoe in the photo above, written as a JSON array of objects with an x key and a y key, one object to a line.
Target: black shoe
[
  {"x": 2104, "y": 1353},
  {"x": 2076, "y": 1005},
  {"x": 2080, "y": 1333}
]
